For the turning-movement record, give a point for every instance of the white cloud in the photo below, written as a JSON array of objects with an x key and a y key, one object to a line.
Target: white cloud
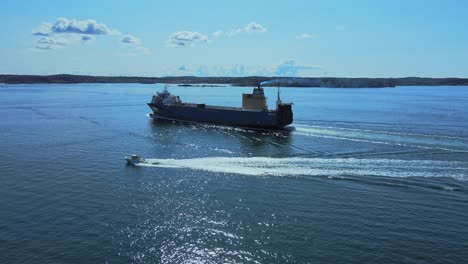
[
  {"x": 53, "y": 41},
  {"x": 290, "y": 69},
  {"x": 304, "y": 36},
  {"x": 252, "y": 27},
  {"x": 88, "y": 27},
  {"x": 129, "y": 39},
  {"x": 65, "y": 31},
  {"x": 44, "y": 29},
  {"x": 72, "y": 26},
  {"x": 286, "y": 69},
  {"x": 134, "y": 43},
  {"x": 46, "y": 43},
  {"x": 183, "y": 39}
]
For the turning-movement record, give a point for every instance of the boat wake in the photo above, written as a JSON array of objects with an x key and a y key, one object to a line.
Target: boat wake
[
  {"x": 265, "y": 166},
  {"x": 412, "y": 140}
]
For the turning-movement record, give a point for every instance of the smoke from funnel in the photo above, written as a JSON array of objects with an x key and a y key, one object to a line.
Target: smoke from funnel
[
  {"x": 284, "y": 81},
  {"x": 270, "y": 82}
]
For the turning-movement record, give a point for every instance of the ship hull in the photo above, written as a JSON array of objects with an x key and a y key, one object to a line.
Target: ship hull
[{"x": 229, "y": 116}]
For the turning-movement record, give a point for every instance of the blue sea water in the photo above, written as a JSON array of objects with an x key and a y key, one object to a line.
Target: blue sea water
[{"x": 361, "y": 176}]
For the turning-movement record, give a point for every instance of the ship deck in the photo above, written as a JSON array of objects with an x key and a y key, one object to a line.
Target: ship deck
[{"x": 217, "y": 107}]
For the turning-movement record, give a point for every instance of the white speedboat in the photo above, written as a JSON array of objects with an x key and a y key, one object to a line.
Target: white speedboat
[{"x": 134, "y": 159}]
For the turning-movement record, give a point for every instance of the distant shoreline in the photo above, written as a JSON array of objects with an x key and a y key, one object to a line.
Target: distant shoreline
[{"x": 331, "y": 82}]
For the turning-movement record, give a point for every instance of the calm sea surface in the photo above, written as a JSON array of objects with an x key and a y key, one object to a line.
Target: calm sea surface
[{"x": 362, "y": 176}]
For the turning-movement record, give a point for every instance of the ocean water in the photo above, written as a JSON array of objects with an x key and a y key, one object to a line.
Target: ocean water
[{"x": 362, "y": 176}]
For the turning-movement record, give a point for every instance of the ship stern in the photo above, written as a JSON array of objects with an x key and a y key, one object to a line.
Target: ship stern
[{"x": 284, "y": 115}]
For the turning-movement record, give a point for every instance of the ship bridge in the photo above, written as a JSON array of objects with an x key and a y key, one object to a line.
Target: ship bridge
[{"x": 255, "y": 101}]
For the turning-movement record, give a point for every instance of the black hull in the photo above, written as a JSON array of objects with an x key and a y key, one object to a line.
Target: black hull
[{"x": 226, "y": 116}]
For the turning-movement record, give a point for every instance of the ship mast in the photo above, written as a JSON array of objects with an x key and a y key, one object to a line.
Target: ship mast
[{"x": 278, "y": 99}]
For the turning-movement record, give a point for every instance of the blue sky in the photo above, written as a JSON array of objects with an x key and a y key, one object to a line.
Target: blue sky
[{"x": 235, "y": 38}]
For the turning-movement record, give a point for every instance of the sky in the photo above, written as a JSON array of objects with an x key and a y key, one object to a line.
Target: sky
[{"x": 360, "y": 38}]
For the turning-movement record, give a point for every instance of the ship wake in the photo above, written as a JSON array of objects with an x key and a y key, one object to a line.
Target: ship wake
[
  {"x": 334, "y": 167},
  {"x": 411, "y": 140}
]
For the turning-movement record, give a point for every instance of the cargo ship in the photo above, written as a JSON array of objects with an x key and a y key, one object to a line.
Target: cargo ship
[{"x": 254, "y": 112}]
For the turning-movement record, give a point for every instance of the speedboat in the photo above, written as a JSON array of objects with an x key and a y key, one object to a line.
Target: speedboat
[{"x": 134, "y": 159}]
